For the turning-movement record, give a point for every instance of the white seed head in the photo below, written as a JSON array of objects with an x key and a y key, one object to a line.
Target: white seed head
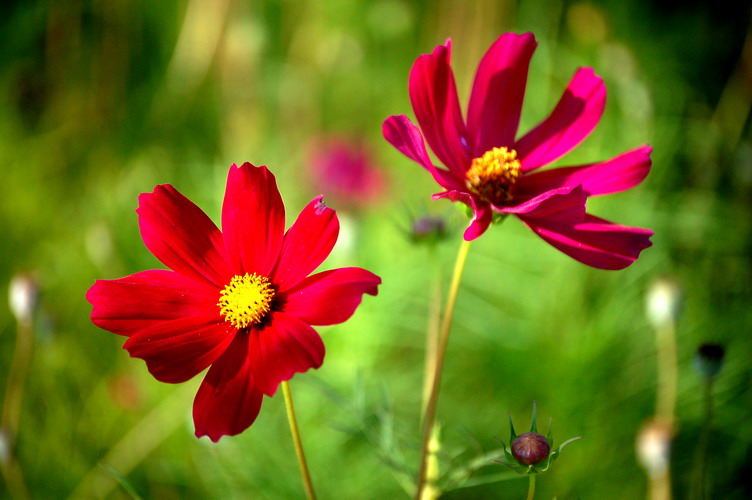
[
  {"x": 663, "y": 302},
  {"x": 22, "y": 297}
]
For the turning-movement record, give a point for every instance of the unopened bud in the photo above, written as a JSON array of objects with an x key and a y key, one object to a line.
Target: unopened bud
[
  {"x": 22, "y": 297},
  {"x": 709, "y": 359},
  {"x": 429, "y": 229},
  {"x": 663, "y": 302},
  {"x": 530, "y": 448},
  {"x": 654, "y": 447}
]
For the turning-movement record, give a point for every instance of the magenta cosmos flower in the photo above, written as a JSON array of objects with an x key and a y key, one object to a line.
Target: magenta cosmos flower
[
  {"x": 492, "y": 171},
  {"x": 344, "y": 169},
  {"x": 239, "y": 301}
]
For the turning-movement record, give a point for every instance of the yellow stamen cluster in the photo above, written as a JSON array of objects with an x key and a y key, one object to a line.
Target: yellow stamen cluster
[
  {"x": 246, "y": 300},
  {"x": 492, "y": 175}
]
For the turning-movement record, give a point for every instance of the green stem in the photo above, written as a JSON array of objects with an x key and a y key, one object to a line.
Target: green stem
[
  {"x": 699, "y": 490},
  {"x": 11, "y": 412},
  {"x": 432, "y": 330},
  {"x": 429, "y": 420},
  {"x": 667, "y": 374},
  {"x": 304, "y": 474},
  {"x": 531, "y": 487}
]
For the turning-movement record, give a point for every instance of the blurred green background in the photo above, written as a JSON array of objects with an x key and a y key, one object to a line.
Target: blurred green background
[{"x": 101, "y": 101}]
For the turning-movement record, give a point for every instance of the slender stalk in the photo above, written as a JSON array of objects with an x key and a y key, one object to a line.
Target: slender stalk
[
  {"x": 667, "y": 373},
  {"x": 665, "y": 419},
  {"x": 429, "y": 420},
  {"x": 304, "y": 474},
  {"x": 432, "y": 330},
  {"x": 699, "y": 490},
  {"x": 11, "y": 413},
  {"x": 531, "y": 487}
]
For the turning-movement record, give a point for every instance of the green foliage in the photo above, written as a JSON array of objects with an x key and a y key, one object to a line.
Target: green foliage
[{"x": 105, "y": 100}]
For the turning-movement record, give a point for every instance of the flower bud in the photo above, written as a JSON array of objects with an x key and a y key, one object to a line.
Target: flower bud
[
  {"x": 663, "y": 302},
  {"x": 709, "y": 359},
  {"x": 530, "y": 453},
  {"x": 654, "y": 447},
  {"x": 530, "y": 448},
  {"x": 22, "y": 297},
  {"x": 429, "y": 229}
]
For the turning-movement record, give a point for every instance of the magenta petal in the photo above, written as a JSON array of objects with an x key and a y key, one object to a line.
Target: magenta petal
[
  {"x": 253, "y": 219},
  {"x": 433, "y": 94},
  {"x": 496, "y": 100},
  {"x": 594, "y": 242},
  {"x": 307, "y": 243},
  {"x": 227, "y": 402},
  {"x": 401, "y": 133},
  {"x": 480, "y": 223},
  {"x": 330, "y": 297},
  {"x": 133, "y": 303},
  {"x": 181, "y": 236},
  {"x": 178, "y": 350},
  {"x": 482, "y": 212},
  {"x": 617, "y": 174},
  {"x": 565, "y": 203},
  {"x": 282, "y": 348},
  {"x": 574, "y": 117}
]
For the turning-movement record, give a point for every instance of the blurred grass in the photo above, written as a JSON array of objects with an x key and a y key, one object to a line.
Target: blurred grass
[{"x": 102, "y": 101}]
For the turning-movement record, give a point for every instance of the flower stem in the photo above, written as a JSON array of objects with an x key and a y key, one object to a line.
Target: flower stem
[
  {"x": 531, "y": 487},
  {"x": 699, "y": 488},
  {"x": 667, "y": 373},
  {"x": 304, "y": 474},
  {"x": 432, "y": 330},
  {"x": 429, "y": 420},
  {"x": 11, "y": 410}
]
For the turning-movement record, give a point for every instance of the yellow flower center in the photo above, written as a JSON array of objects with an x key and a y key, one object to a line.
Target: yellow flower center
[
  {"x": 492, "y": 175},
  {"x": 246, "y": 300}
]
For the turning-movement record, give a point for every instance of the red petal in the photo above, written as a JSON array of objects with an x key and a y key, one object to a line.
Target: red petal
[
  {"x": 330, "y": 297},
  {"x": 574, "y": 117},
  {"x": 282, "y": 348},
  {"x": 307, "y": 243},
  {"x": 594, "y": 242},
  {"x": 253, "y": 219},
  {"x": 227, "y": 402},
  {"x": 496, "y": 100},
  {"x": 564, "y": 203},
  {"x": 181, "y": 236},
  {"x": 401, "y": 133},
  {"x": 433, "y": 94},
  {"x": 617, "y": 174},
  {"x": 133, "y": 303},
  {"x": 178, "y": 350},
  {"x": 482, "y": 212}
]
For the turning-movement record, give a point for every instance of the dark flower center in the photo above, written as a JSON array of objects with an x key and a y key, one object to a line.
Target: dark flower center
[
  {"x": 492, "y": 175},
  {"x": 246, "y": 300}
]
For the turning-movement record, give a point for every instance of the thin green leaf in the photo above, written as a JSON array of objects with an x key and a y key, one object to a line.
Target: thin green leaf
[{"x": 124, "y": 481}]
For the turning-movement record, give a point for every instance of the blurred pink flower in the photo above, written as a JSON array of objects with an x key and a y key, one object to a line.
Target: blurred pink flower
[
  {"x": 492, "y": 171},
  {"x": 344, "y": 169}
]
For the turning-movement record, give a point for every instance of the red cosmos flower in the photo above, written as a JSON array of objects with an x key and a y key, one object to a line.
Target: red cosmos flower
[
  {"x": 239, "y": 301},
  {"x": 490, "y": 170}
]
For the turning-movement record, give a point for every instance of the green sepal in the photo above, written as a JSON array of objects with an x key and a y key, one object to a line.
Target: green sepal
[
  {"x": 543, "y": 466},
  {"x": 498, "y": 218},
  {"x": 555, "y": 454},
  {"x": 511, "y": 462}
]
